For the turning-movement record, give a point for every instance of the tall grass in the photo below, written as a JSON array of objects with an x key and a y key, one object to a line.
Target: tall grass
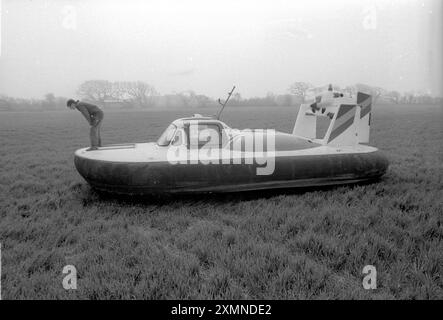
[{"x": 280, "y": 245}]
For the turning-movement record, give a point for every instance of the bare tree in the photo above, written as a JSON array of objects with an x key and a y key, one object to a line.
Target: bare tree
[
  {"x": 142, "y": 93},
  {"x": 49, "y": 102},
  {"x": 129, "y": 93},
  {"x": 203, "y": 101},
  {"x": 408, "y": 97},
  {"x": 236, "y": 99},
  {"x": 139, "y": 93},
  {"x": 96, "y": 90}
]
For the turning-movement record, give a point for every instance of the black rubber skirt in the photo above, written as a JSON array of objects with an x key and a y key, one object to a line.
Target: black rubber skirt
[{"x": 289, "y": 172}]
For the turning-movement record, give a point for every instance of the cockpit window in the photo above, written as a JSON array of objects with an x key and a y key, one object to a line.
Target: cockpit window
[
  {"x": 167, "y": 135},
  {"x": 207, "y": 135},
  {"x": 178, "y": 138}
]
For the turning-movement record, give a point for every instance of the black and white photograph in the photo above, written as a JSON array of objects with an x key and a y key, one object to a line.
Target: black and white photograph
[{"x": 218, "y": 155}]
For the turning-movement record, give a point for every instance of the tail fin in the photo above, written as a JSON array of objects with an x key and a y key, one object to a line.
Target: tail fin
[
  {"x": 350, "y": 121},
  {"x": 365, "y": 101},
  {"x": 306, "y": 123},
  {"x": 343, "y": 128}
]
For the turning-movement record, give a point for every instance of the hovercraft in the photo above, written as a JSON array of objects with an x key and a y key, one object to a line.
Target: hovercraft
[{"x": 202, "y": 154}]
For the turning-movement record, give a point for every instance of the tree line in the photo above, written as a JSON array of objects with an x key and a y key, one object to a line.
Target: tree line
[
  {"x": 141, "y": 95},
  {"x": 380, "y": 95}
]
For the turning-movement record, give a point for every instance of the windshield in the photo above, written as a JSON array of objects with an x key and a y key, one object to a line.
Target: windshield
[{"x": 167, "y": 135}]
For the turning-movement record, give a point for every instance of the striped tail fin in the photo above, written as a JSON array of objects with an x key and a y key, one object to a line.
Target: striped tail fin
[
  {"x": 364, "y": 124},
  {"x": 343, "y": 128}
]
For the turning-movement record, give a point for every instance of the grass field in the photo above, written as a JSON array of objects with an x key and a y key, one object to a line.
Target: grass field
[{"x": 277, "y": 245}]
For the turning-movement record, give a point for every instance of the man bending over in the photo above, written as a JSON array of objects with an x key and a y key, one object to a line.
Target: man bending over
[{"x": 94, "y": 116}]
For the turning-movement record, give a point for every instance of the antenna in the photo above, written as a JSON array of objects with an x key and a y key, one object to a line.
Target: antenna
[{"x": 224, "y": 103}]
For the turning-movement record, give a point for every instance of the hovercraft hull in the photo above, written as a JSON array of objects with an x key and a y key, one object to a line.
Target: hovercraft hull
[{"x": 291, "y": 171}]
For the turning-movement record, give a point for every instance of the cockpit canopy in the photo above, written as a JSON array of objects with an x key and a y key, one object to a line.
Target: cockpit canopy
[
  {"x": 198, "y": 129},
  {"x": 198, "y": 132}
]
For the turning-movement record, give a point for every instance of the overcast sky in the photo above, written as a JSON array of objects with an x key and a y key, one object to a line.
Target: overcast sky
[{"x": 208, "y": 46}]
